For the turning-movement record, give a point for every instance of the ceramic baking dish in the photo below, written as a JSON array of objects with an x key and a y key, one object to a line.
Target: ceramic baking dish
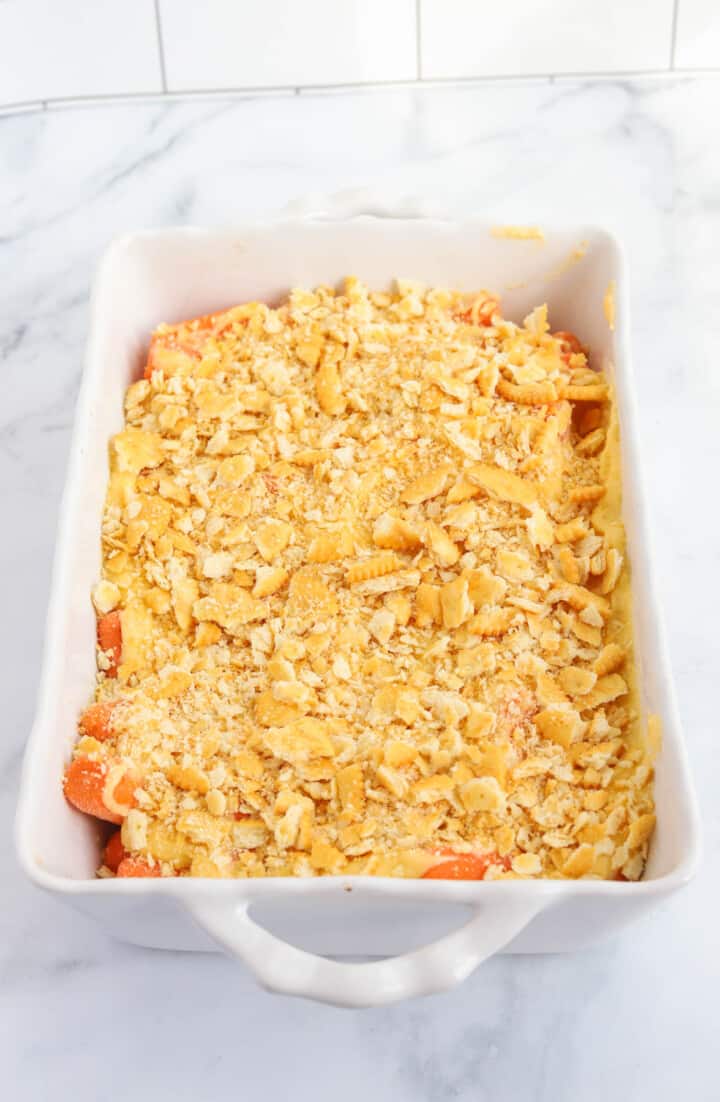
[{"x": 432, "y": 933}]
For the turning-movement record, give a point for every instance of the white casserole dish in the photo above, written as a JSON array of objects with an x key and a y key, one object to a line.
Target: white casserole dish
[{"x": 174, "y": 274}]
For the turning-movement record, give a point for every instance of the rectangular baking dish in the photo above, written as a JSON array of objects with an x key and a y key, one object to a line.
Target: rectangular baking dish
[{"x": 286, "y": 929}]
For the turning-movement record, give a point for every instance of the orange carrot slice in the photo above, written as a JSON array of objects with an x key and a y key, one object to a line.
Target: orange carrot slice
[
  {"x": 85, "y": 785},
  {"x": 479, "y": 312},
  {"x": 124, "y": 791},
  {"x": 109, "y": 633},
  {"x": 96, "y": 720},
  {"x": 466, "y": 866},
  {"x": 84, "y": 788},
  {"x": 178, "y": 346},
  {"x": 137, "y": 866},
  {"x": 167, "y": 356},
  {"x": 114, "y": 852},
  {"x": 569, "y": 344}
]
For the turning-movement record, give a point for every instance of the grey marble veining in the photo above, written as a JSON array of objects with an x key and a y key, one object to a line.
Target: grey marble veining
[{"x": 83, "y": 1017}]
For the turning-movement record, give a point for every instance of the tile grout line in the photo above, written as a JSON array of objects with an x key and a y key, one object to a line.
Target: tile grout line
[
  {"x": 160, "y": 45},
  {"x": 418, "y": 40},
  {"x": 673, "y": 33},
  {"x": 424, "y": 84}
]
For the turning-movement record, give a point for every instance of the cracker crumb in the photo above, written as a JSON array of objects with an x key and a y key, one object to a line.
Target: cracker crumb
[{"x": 368, "y": 561}]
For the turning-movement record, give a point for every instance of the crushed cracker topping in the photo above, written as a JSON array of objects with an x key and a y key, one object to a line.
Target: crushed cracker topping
[{"x": 368, "y": 560}]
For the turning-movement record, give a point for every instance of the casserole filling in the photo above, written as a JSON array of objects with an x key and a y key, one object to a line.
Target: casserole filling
[{"x": 364, "y": 605}]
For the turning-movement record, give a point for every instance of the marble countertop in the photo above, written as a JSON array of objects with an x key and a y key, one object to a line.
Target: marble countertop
[{"x": 84, "y": 1017}]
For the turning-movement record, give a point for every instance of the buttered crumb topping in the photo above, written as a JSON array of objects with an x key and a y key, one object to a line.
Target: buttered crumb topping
[{"x": 368, "y": 561}]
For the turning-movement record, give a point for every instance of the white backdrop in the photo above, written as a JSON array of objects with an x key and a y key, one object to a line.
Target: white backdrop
[{"x": 52, "y": 51}]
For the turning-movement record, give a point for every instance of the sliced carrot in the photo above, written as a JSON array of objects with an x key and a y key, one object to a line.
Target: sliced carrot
[
  {"x": 569, "y": 340},
  {"x": 85, "y": 785},
  {"x": 204, "y": 322},
  {"x": 96, "y": 720},
  {"x": 167, "y": 356},
  {"x": 109, "y": 633},
  {"x": 84, "y": 788},
  {"x": 178, "y": 346},
  {"x": 114, "y": 852},
  {"x": 124, "y": 792},
  {"x": 482, "y": 312},
  {"x": 569, "y": 344},
  {"x": 466, "y": 866},
  {"x": 479, "y": 312},
  {"x": 137, "y": 866}
]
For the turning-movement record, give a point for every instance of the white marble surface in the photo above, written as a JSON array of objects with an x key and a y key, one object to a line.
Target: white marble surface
[{"x": 82, "y": 1017}]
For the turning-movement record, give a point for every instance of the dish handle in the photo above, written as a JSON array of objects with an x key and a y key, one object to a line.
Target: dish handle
[{"x": 442, "y": 964}]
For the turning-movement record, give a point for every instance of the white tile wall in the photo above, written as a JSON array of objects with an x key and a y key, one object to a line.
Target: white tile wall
[
  {"x": 471, "y": 38},
  {"x": 55, "y": 48},
  {"x": 697, "y": 43},
  {"x": 51, "y": 50},
  {"x": 216, "y": 44}
]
